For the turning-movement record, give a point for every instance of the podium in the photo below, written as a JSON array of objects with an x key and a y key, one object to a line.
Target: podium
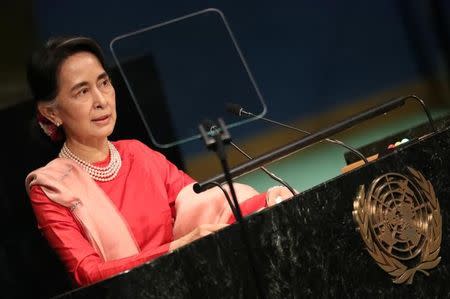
[{"x": 304, "y": 247}]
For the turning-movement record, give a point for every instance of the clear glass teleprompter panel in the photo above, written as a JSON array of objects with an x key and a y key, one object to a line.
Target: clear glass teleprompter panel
[{"x": 184, "y": 71}]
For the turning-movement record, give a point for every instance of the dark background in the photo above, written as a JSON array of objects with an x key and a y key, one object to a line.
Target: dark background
[{"x": 308, "y": 58}]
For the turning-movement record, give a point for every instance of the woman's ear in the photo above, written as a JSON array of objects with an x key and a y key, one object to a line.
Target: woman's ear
[{"x": 49, "y": 111}]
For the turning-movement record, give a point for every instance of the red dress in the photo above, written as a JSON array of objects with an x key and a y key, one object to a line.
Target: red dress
[{"x": 144, "y": 192}]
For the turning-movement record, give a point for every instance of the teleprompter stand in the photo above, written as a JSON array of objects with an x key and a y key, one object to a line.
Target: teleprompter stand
[{"x": 215, "y": 139}]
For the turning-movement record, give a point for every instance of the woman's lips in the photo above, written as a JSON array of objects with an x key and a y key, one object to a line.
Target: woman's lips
[{"x": 102, "y": 119}]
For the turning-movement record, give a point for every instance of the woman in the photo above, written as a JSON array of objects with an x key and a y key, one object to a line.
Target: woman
[{"x": 106, "y": 207}]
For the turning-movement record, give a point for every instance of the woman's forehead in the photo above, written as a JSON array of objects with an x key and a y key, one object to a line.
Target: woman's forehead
[{"x": 80, "y": 66}]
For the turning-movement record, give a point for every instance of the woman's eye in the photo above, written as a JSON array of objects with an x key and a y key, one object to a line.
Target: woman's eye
[
  {"x": 82, "y": 92},
  {"x": 105, "y": 82}
]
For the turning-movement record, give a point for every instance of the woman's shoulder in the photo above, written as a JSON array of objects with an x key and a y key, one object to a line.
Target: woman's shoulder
[
  {"x": 135, "y": 147},
  {"x": 57, "y": 165},
  {"x": 129, "y": 144}
]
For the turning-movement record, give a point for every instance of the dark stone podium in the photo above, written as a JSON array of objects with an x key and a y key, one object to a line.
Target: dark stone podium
[{"x": 304, "y": 247}]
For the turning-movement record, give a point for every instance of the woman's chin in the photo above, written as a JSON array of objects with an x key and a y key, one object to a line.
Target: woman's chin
[{"x": 103, "y": 133}]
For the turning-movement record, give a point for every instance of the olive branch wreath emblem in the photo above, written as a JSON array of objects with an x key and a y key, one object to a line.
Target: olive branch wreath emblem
[{"x": 400, "y": 223}]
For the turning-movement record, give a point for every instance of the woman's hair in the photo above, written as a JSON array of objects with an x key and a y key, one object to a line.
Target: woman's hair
[
  {"x": 45, "y": 63},
  {"x": 43, "y": 70}
]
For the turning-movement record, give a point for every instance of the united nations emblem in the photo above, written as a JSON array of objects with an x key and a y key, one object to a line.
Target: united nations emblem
[{"x": 400, "y": 223}]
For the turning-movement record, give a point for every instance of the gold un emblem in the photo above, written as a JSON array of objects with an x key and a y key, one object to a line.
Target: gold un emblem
[{"x": 400, "y": 222}]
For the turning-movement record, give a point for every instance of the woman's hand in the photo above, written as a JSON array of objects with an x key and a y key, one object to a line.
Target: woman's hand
[
  {"x": 199, "y": 232},
  {"x": 278, "y": 194}
]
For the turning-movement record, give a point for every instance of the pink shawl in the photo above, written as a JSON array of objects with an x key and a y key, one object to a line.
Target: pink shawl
[
  {"x": 208, "y": 207},
  {"x": 65, "y": 183}
]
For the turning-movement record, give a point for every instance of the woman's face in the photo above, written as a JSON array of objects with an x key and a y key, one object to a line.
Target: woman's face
[{"x": 85, "y": 103}]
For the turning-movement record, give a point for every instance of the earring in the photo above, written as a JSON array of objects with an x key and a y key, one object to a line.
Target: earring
[{"x": 57, "y": 123}]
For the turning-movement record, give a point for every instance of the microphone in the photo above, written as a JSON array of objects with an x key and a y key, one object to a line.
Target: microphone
[
  {"x": 213, "y": 130},
  {"x": 237, "y": 109},
  {"x": 290, "y": 148},
  {"x": 209, "y": 130}
]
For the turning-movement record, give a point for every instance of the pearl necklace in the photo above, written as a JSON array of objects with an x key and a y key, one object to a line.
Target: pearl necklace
[{"x": 102, "y": 174}]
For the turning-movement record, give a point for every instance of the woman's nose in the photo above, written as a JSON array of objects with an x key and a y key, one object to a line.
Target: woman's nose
[{"x": 100, "y": 99}]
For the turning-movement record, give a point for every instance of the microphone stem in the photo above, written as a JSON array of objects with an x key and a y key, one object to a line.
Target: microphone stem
[
  {"x": 335, "y": 141},
  {"x": 220, "y": 150},
  {"x": 272, "y": 175}
]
